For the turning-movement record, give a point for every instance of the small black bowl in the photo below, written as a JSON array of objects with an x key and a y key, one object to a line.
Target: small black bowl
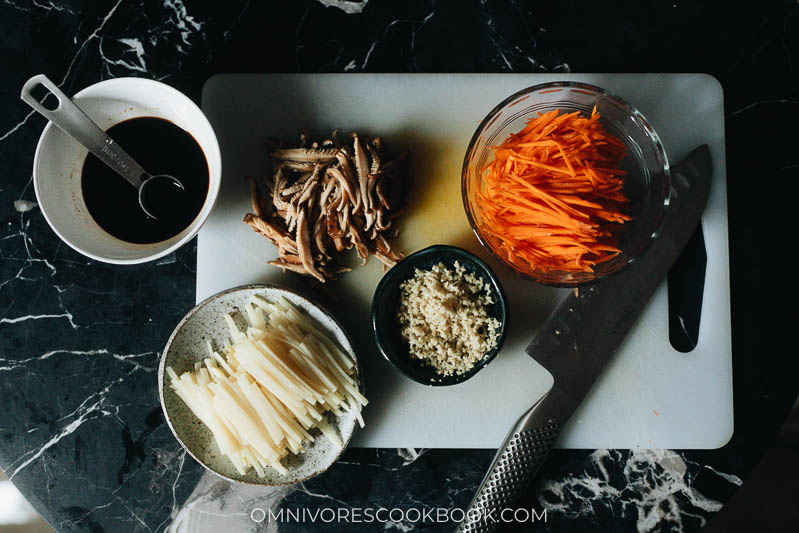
[{"x": 386, "y": 302}]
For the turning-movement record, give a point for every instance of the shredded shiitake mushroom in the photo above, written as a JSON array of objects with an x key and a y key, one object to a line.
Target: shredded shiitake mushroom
[{"x": 325, "y": 197}]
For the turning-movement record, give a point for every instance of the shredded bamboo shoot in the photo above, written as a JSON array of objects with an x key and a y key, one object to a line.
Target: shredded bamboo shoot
[{"x": 262, "y": 394}]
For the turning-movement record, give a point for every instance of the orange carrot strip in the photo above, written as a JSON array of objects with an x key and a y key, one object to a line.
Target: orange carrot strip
[{"x": 553, "y": 197}]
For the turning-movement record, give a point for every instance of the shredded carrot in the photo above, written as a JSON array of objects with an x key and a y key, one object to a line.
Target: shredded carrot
[{"x": 553, "y": 196}]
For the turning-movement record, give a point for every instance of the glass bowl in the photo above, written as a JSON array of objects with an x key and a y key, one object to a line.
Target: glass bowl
[{"x": 647, "y": 182}]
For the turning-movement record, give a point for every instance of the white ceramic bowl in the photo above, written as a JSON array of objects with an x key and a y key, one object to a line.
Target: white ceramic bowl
[{"x": 59, "y": 160}]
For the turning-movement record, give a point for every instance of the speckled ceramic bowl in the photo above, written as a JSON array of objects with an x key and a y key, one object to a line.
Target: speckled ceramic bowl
[{"x": 186, "y": 346}]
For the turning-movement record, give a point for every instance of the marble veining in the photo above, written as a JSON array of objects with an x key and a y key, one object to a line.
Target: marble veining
[
  {"x": 81, "y": 431},
  {"x": 347, "y": 6},
  {"x": 652, "y": 486}
]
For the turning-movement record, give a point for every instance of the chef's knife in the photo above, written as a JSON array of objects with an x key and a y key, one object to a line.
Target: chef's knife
[{"x": 579, "y": 338}]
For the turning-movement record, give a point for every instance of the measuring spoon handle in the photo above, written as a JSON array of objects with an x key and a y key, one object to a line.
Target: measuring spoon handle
[{"x": 75, "y": 123}]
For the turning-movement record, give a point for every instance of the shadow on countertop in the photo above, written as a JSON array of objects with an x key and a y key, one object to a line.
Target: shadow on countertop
[{"x": 768, "y": 500}]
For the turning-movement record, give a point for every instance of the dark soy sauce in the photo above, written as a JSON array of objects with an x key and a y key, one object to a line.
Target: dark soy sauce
[{"x": 160, "y": 147}]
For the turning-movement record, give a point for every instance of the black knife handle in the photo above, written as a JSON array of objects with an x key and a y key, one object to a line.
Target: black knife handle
[{"x": 514, "y": 467}]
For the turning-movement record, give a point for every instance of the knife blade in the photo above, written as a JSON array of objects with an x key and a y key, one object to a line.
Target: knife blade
[{"x": 580, "y": 337}]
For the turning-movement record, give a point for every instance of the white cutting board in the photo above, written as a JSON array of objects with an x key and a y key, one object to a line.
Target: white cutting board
[{"x": 649, "y": 396}]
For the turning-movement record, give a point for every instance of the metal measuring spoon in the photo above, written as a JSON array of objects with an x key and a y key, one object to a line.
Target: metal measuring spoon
[{"x": 77, "y": 124}]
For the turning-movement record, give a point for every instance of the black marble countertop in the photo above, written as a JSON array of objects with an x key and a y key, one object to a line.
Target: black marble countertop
[{"x": 81, "y": 430}]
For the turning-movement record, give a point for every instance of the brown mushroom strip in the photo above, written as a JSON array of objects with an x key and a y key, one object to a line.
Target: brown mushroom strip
[
  {"x": 319, "y": 234},
  {"x": 344, "y": 219},
  {"x": 291, "y": 259},
  {"x": 338, "y": 242},
  {"x": 304, "y": 247},
  {"x": 381, "y": 195},
  {"x": 333, "y": 271},
  {"x": 331, "y": 183},
  {"x": 362, "y": 168},
  {"x": 344, "y": 157},
  {"x": 306, "y": 194},
  {"x": 282, "y": 263},
  {"x": 380, "y": 225},
  {"x": 385, "y": 248},
  {"x": 370, "y": 190},
  {"x": 310, "y": 155},
  {"x": 302, "y": 166},
  {"x": 331, "y": 220},
  {"x": 255, "y": 202},
  {"x": 344, "y": 183},
  {"x": 276, "y": 186},
  {"x": 374, "y": 167},
  {"x": 298, "y": 186},
  {"x": 357, "y": 240},
  {"x": 271, "y": 232},
  {"x": 385, "y": 259}
]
